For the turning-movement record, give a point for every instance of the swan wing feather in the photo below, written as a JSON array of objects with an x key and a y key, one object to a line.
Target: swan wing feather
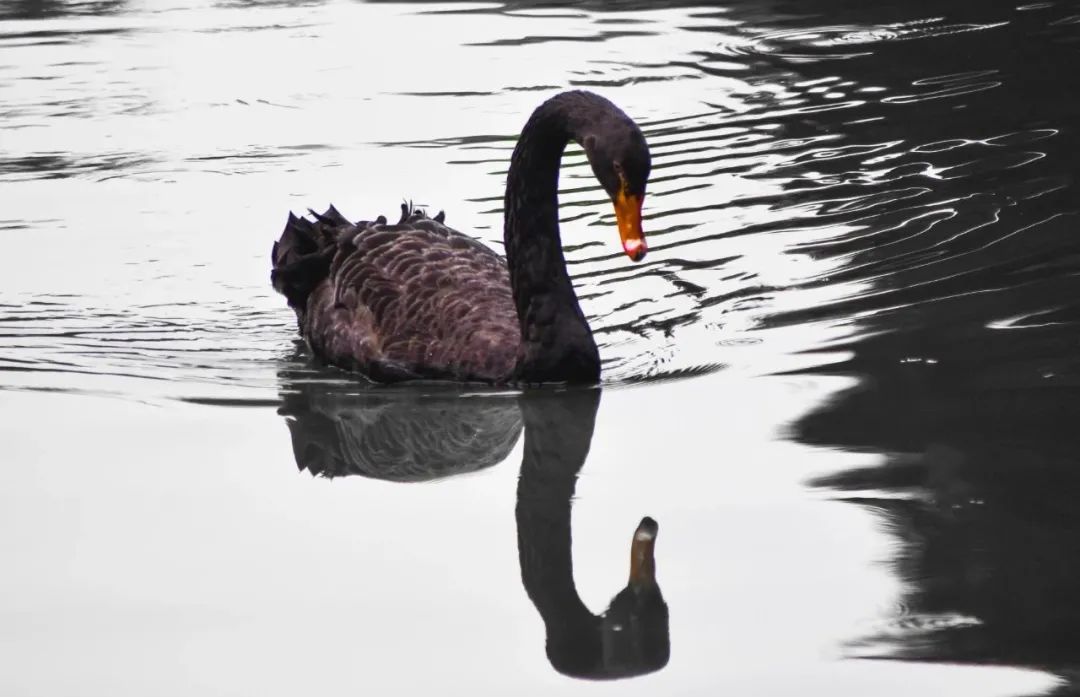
[{"x": 411, "y": 300}]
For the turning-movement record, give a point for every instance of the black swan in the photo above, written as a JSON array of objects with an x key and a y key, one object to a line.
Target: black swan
[{"x": 419, "y": 300}]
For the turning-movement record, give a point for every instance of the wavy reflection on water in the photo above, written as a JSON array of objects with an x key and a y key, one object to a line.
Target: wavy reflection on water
[
  {"x": 43, "y": 9},
  {"x": 977, "y": 484},
  {"x": 407, "y": 436},
  {"x": 963, "y": 335},
  {"x": 965, "y": 345}
]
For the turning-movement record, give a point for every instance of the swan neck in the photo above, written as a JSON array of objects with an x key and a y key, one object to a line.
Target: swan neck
[{"x": 557, "y": 344}]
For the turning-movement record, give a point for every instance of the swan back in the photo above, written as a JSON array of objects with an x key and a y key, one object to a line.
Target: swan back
[{"x": 410, "y": 300}]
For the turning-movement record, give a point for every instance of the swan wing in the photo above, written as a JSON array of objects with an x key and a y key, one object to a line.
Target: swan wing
[{"x": 410, "y": 300}]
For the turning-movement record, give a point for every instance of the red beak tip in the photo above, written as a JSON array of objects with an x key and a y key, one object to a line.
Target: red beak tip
[{"x": 635, "y": 249}]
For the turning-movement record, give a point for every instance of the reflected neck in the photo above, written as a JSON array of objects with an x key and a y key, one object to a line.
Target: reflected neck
[
  {"x": 557, "y": 345},
  {"x": 558, "y": 432}
]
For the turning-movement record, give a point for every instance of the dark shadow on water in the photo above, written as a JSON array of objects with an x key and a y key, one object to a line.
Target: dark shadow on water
[
  {"x": 260, "y": 4},
  {"x": 978, "y": 483},
  {"x": 342, "y": 428},
  {"x": 963, "y": 251},
  {"x": 46, "y": 9},
  {"x": 966, "y": 345}
]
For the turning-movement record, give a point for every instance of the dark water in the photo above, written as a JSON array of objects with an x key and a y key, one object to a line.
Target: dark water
[{"x": 844, "y": 382}]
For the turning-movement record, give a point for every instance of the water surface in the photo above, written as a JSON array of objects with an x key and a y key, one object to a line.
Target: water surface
[{"x": 843, "y": 381}]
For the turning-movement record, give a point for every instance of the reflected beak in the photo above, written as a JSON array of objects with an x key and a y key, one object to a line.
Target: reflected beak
[
  {"x": 642, "y": 562},
  {"x": 628, "y": 213}
]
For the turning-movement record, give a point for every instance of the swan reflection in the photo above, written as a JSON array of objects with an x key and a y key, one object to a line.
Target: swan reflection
[
  {"x": 341, "y": 429},
  {"x": 401, "y": 435}
]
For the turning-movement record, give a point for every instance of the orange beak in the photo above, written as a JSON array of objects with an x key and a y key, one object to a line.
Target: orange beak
[{"x": 628, "y": 213}]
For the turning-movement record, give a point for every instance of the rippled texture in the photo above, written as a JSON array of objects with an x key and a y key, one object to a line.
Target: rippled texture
[
  {"x": 787, "y": 178},
  {"x": 862, "y": 227}
]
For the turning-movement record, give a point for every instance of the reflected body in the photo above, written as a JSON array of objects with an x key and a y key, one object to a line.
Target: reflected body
[
  {"x": 419, "y": 300},
  {"x": 347, "y": 428}
]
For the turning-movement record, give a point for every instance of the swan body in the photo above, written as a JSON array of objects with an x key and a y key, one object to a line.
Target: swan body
[{"x": 419, "y": 300}]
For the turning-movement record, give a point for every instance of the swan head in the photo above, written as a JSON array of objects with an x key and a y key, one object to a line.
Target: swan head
[{"x": 620, "y": 159}]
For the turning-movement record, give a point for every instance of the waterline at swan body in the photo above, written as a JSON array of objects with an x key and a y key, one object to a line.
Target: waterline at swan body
[{"x": 419, "y": 300}]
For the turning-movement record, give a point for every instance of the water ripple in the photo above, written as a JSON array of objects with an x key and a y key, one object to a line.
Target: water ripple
[{"x": 806, "y": 176}]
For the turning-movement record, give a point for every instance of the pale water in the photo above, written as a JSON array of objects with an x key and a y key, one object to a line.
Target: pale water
[{"x": 844, "y": 381}]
